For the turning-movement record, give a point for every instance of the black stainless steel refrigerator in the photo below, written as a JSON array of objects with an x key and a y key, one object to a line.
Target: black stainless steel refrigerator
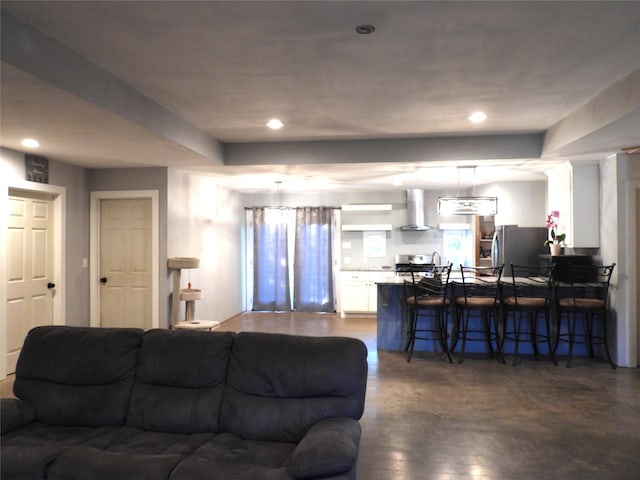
[{"x": 517, "y": 245}]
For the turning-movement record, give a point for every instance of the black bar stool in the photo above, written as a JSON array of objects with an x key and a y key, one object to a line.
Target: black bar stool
[
  {"x": 480, "y": 294},
  {"x": 584, "y": 307},
  {"x": 427, "y": 297},
  {"x": 527, "y": 298}
]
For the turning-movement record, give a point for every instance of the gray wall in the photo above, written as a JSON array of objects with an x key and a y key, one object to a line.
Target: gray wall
[{"x": 206, "y": 221}]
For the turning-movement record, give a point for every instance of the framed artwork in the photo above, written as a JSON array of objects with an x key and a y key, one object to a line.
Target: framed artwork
[{"x": 36, "y": 168}]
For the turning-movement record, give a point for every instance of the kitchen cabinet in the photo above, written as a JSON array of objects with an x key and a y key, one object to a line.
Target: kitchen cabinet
[
  {"x": 484, "y": 227},
  {"x": 353, "y": 215},
  {"x": 378, "y": 227},
  {"x": 367, "y": 207},
  {"x": 574, "y": 191},
  {"x": 358, "y": 293}
]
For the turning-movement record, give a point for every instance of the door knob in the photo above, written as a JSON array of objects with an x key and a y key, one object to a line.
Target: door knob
[
  {"x": 103, "y": 280},
  {"x": 51, "y": 285}
]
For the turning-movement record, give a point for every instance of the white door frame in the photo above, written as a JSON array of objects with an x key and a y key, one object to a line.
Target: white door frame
[
  {"x": 628, "y": 327},
  {"x": 94, "y": 250},
  {"x": 59, "y": 195}
]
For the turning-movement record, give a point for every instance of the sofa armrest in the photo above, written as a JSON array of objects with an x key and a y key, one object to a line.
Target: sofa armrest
[
  {"x": 15, "y": 413},
  {"x": 330, "y": 447}
]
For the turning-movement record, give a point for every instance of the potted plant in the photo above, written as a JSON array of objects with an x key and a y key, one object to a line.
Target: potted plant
[{"x": 555, "y": 239}]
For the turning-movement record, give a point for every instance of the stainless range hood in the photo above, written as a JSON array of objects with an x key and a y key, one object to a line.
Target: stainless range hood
[{"x": 415, "y": 211}]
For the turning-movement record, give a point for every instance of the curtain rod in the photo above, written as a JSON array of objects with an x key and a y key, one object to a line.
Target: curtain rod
[{"x": 292, "y": 208}]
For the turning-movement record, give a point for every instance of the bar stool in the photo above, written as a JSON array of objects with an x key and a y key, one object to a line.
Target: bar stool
[
  {"x": 480, "y": 294},
  {"x": 586, "y": 305},
  {"x": 527, "y": 297},
  {"x": 427, "y": 297}
]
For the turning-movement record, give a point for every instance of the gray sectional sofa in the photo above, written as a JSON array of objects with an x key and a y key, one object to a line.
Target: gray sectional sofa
[{"x": 183, "y": 405}]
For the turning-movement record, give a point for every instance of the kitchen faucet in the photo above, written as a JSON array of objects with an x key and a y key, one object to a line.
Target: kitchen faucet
[{"x": 433, "y": 256}]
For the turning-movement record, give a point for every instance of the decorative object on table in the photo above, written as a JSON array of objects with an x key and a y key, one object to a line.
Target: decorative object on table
[{"x": 555, "y": 239}]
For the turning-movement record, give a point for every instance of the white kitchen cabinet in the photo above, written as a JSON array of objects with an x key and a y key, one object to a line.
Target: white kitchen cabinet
[
  {"x": 359, "y": 292},
  {"x": 574, "y": 191}
]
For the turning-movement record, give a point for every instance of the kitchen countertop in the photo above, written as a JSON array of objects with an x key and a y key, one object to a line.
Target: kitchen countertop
[
  {"x": 455, "y": 276},
  {"x": 369, "y": 269}
]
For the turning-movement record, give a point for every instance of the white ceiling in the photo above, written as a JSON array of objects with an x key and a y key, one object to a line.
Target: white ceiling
[{"x": 175, "y": 83}]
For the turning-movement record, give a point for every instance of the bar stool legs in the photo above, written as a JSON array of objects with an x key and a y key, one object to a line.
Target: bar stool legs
[
  {"x": 463, "y": 331},
  {"x": 586, "y": 336},
  {"x": 437, "y": 332},
  {"x": 518, "y": 334}
]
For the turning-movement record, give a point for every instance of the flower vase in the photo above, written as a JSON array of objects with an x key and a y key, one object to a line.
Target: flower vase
[{"x": 555, "y": 249}]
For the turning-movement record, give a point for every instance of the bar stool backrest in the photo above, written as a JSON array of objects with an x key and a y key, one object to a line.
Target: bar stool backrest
[
  {"x": 591, "y": 281},
  {"x": 530, "y": 282},
  {"x": 434, "y": 283},
  {"x": 481, "y": 282}
]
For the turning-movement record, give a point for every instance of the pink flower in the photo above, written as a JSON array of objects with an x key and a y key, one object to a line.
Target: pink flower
[
  {"x": 552, "y": 225},
  {"x": 551, "y": 221}
]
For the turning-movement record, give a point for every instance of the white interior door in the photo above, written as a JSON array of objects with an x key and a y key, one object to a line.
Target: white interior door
[
  {"x": 30, "y": 281},
  {"x": 126, "y": 263}
]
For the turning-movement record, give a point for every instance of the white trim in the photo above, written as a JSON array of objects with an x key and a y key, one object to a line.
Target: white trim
[
  {"x": 94, "y": 250},
  {"x": 59, "y": 195},
  {"x": 629, "y": 329}
]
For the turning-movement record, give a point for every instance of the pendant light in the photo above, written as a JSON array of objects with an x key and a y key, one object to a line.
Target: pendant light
[{"x": 467, "y": 205}]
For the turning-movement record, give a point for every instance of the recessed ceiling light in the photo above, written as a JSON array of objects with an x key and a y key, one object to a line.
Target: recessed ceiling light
[
  {"x": 477, "y": 117},
  {"x": 365, "y": 29},
  {"x": 30, "y": 143},
  {"x": 275, "y": 124}
]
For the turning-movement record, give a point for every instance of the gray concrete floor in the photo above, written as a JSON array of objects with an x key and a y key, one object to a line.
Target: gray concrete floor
[{"x": 429, "y": 419}]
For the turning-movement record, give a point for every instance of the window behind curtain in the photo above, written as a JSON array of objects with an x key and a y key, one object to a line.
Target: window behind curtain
[{"x": 313, "y": 276}]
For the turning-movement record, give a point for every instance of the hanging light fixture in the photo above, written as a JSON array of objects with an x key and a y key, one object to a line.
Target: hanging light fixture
[{"x": 467, "y": 205}]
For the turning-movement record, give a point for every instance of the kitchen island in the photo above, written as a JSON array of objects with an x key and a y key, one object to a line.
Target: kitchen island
[{"x": 393, "y": 323}]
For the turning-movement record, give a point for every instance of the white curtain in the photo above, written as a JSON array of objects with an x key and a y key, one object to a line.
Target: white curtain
[
  {"x": 271, "y": 259},
  {"x": 313, "y": 275}
]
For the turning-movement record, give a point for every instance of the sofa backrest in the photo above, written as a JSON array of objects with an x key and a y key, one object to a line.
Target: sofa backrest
[
  {"x": 180, "y": 380},
  {"x": 278, "y": 385},
  {"x": 77, "y": 376}
]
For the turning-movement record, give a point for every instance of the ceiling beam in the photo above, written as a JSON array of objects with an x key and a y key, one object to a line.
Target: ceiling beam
[{"x": 31, "y": 51}]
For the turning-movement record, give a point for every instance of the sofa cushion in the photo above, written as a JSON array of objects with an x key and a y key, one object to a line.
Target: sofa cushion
[
  {"x": 15, "y": 413},
  {"x": 28, "y": 451},
  {"x": 136, "y": 440},
  {"x": 78, "y": 376},
  {"x": 87, "y": 463},
  {"x": 234, "y": 458},
  {"x": 180, "y": 380},
  {"x": 279, "y": 386}
]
